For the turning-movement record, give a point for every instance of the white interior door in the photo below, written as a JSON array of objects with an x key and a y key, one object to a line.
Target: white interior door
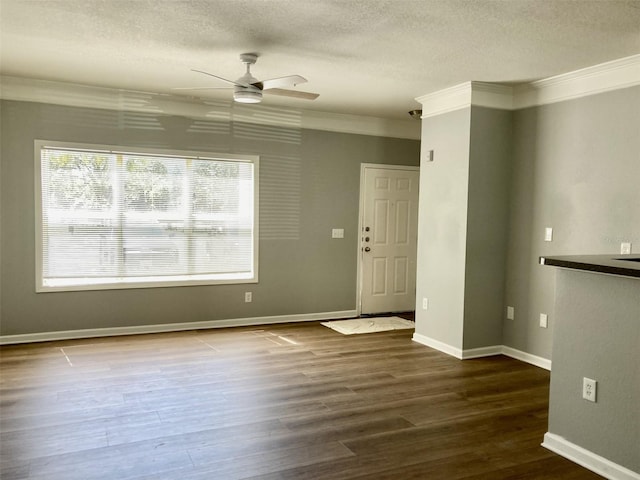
[{"x": 389, "y": 231}]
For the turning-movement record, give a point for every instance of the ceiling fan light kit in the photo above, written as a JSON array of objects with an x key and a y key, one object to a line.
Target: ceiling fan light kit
[
  {"x": 248, "y": 89},
  {"x": 245, "y": 95}
]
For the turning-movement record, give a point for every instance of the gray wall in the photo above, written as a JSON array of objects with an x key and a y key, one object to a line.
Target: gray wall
[
  {"x": 309, "y": 184},
  {"x": 462, "y": 228},
  {"x": 442, "y": 227},
  {"x": 487, "y": 226},
  {"x": 576, "y": 168},
  {"x": 597, "y": 336},
  {"x": 498, "y": 179}
]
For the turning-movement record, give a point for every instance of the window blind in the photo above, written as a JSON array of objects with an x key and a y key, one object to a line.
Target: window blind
[{"x": 123, "y": 218}]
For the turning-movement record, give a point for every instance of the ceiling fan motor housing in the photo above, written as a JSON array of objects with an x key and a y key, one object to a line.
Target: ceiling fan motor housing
[{"x": 245, "y": 91}]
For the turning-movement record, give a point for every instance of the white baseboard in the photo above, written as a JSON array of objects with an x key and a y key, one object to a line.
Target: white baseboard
[
  {"x": 527, "y": 357},
  {"x": 587, "y": 459},
  {"x": 438, "y": 345},
  {"x": 242, "y": 322},
  {"x": 482, "y": 351},
  {"x": 173, "y": 327}
]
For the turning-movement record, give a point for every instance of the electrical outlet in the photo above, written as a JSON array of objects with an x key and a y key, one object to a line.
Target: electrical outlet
[
  {"x": 511, "y": 313},
  {"x": 548, "y": 234},
  {"x": 625, "y": 248},
  {"x": 543, "y": 320},
  {"x": 248, "y": 297},
  {"x": 589, "y": 389},
  {"x": 425, "y": 303}
]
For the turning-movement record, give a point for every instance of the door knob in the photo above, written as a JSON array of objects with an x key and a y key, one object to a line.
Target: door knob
[{"x": 367, "y": 249}]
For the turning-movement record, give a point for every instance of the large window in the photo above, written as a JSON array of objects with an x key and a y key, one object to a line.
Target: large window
[{"x": 115, "y": 217}]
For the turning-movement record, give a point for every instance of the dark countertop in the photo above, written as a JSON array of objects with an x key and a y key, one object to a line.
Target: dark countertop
[{"x": 611, "y": 264}]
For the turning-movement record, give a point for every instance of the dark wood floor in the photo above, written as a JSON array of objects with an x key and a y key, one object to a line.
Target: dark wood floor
[{"x": 295, "y": 401}]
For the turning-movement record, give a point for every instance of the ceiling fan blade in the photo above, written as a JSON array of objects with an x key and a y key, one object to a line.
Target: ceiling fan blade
[
  {"x": 232, "y": 82},
  {"x": 292, "y": 93},
  {"x": 201, "y": 88},
  {"x": 288, "y": 81}
]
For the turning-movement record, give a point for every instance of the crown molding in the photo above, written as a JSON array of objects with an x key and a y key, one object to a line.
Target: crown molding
[
  {"x": 491, "y": 95},
  {"x": 447, "y": 100},
  {"x": 614, "y": 75},
  {"x": 76, "y": 95},
  {"x": 361, "y": 125}
]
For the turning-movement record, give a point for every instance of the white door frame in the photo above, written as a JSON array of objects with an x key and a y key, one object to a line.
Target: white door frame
[{"x": 363, "y": 167}]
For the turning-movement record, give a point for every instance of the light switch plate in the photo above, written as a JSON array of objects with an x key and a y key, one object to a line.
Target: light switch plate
[
  {"x": 548, "y": 234},
  {"x": 337, "y": 233},
  {"x": 428, "y": 156},
  {"x": 511, "y": 313},
  {"x": 625, "y": 248},
  {"x": 544, "y": 321}
]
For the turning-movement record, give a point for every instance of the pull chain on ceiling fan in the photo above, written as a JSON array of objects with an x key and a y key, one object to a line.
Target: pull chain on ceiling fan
[{"x": 248, "y": 89}]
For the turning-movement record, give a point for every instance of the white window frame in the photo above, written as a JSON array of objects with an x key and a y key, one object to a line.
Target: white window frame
[{"x": 116, "y": 283}]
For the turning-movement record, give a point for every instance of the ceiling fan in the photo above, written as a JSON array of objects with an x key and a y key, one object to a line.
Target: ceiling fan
[{"x": 248, "y": 89}]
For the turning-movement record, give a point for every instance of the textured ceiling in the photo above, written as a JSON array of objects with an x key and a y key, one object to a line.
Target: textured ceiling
[{"x": 365, "y": 57}]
